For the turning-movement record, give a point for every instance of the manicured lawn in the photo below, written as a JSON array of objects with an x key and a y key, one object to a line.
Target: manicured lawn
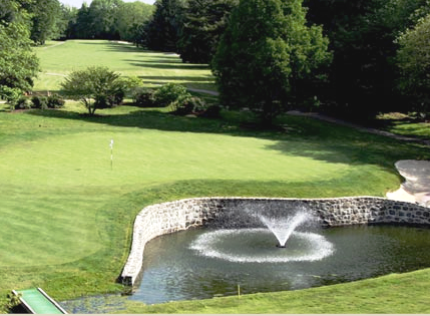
[{"x": 66, "y": 215}]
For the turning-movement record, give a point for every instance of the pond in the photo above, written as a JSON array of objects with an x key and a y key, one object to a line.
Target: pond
[{"x": 204, "y": 263}]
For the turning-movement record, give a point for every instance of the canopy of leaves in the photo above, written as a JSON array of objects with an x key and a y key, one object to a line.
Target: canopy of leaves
[
  {"x": 18, "y": 64},
  {"x": 264, "y": 51},
  {"x": 45, "y": 14},
  {"x": 130, "y": 17},
  {"x": 413, "y": 60}
]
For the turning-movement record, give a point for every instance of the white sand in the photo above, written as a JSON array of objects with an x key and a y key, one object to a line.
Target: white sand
[{"x": 416, "y": 188}]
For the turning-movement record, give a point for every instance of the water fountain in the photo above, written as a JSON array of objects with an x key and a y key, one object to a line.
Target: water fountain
[{"x": 255, "y": 244}]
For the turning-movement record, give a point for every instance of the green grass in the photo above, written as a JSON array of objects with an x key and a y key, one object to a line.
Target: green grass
[
  {"x": 403, "y": 124},
  {"x": 66, "y": 217},
  {"x": 393, "y": 294},
  {"x": 153, "y": 68}
]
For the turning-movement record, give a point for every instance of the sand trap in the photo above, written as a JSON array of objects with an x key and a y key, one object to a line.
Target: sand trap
[{"x": 416, "y": 188}]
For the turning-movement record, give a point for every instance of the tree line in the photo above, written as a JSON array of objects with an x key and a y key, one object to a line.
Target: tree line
[{"x": 353, "y": 58}]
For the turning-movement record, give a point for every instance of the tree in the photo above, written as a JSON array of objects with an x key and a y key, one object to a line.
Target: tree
[
  {"x": 265, "y": 51},
  {"x": 362, "y": 37},
  {"x": 45, "y": 14},
  {"x": 413, "y": 60},
  {"x": 18, "y": 64},
  {"x": 162, "y": 31},
  {"x": 64, "y": 27},
  {"x": 204, "y": 23},
  {"x": 97, "y": 87},
  {"x": 130, "y": 17},
  {"x": 102, "y": 15}
]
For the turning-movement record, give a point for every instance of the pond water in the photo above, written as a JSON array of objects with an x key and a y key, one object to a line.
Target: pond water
[{"x": 194, "y": 264}]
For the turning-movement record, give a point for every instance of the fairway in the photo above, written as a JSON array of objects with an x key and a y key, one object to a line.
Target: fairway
[
  {"x": 153, "y": 68},
  {"x": 67, "y": 213}
]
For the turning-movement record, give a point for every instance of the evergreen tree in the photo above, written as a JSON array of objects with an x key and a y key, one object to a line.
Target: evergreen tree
[
  {"x": 266, "y": 49},
  {"x": 204, "y": 23},
  {"x": 162, "y": 31}
]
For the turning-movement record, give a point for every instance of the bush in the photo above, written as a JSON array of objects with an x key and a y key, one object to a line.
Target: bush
[
  {"x": 55, "y": 101},
  {"x": 23, "y": 103},
  {"x": 144, "y": 98},
  {"x": 211, "y": 112},
  {"x": 170, "y": 93},
  {"x": 40, "y": 102},
  {"x": 187, "y": 105}
]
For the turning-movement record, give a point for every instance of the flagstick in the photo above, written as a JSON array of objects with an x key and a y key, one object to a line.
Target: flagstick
[{"x": 111, "y": 154}]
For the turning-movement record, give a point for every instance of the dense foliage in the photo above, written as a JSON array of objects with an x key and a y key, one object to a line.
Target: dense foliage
[
  {"x": 266, "y": 50},
  {"x": 367, "y": 39},
  {"x": 162, "y": 31},
  {"x": 413, "y": 59},
  {"x": 18, "y": 64},
  {"x": 203, "y": 24}
]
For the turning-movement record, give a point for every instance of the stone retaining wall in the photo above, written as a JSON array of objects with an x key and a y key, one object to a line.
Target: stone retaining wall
[{"x": 160, "y": 219}]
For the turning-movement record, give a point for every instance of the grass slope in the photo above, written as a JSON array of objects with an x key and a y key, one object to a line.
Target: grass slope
[{"x": 66, "y": 217}]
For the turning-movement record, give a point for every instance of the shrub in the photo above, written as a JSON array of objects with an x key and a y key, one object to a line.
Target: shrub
[
  {"x": 170, "y": 93},
  {"x": 40, "y": 102},
  {"x": 23, "y": 103},
  {"x": 144, "y": 98},
  {"x": 55, "y": 101},
  {"x": 187, "y": 105},
  {"x": 96, "y": 87},
  {"x": 211, "y": 112}
]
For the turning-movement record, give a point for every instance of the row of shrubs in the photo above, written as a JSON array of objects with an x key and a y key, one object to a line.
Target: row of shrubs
[
  {"x": 53, "y": 101},
  {"x": 175, "y": 96}
]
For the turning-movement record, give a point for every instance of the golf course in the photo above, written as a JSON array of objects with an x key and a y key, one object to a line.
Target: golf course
[{"x": 69, "y": 195}]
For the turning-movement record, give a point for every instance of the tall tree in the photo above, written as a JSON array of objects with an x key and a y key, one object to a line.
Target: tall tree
[
  {"x": 162, "y": 31},
  {"x": 102, "y": 15},
  {"x": 45, "y": 14},
  {"x": 65, "y": 23},
  {"x": 130, "y": 17},
  {"x": 362, "y": 36},
  {"x": 204, "y": 23},
  {"x": 18, "y": 64},
  {"x": 413, "y": 60},
  {"x": 266, "y": 49}
]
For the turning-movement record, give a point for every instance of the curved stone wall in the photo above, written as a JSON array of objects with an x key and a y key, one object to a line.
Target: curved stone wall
[{"x": 160, "y": 219}]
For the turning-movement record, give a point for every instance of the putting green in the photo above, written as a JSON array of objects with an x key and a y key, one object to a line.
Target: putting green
[{"x": 83, "y": 159}]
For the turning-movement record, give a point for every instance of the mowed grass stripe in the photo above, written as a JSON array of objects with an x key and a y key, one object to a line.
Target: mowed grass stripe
[{"x": 47, "y": 229}]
